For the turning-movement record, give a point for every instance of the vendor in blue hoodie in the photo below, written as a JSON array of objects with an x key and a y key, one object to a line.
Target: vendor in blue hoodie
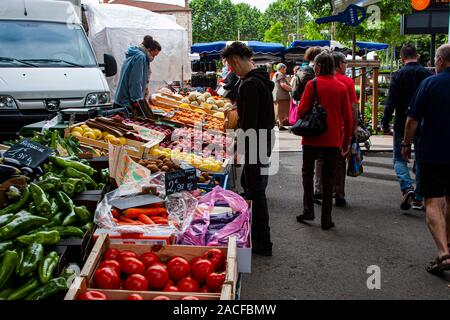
[{"x": 135, "y": 75}]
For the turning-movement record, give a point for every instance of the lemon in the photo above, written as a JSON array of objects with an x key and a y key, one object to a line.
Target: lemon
[
  {"x": 89, "y": 135},
  {"x": 88, "y": 130},
  {"x": 115, "y": 141},
  {"x": 109, "y": 137},
  {"x": 78, "y": 129},
  {"x": 76, "y": 134},
  {"x": 98, "y": 134},
  {"x": 122, "y": 140},
  {"x": 84, "y": 126},
  {"x": 104, "y": 134},
  {"x": 204, "y": 167}
]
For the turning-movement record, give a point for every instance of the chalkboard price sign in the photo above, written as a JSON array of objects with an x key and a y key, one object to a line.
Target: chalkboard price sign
[
  {"x": 182, "y": 180},
  {"x": 29, "y": 153}
]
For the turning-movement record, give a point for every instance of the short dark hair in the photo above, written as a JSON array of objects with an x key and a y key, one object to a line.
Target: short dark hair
[
  {"x": 326, "y": 63},
  {"x": 339, "y": 58},
  {"x": 408, "y": 52},
  {"x": 312, "y": 53},
  {"x": 238, "y": 49},
  {"x": 151, "y": 44}
]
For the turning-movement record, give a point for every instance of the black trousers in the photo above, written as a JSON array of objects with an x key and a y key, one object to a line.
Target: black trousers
[
  {"x": 255, "y": 185},
  {"x": 329, "y": 157}
]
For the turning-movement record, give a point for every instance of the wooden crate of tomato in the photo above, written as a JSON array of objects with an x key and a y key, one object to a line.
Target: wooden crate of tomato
[{"x": 119, "y": 270}]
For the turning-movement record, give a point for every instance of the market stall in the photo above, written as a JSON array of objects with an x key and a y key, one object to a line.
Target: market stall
[{"x": 128, "y": 201}]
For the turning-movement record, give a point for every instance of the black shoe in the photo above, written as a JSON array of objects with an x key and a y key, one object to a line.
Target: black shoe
[
  {"x": 340, "y": 202},
  {"x": 328, "y": 226},
  {"x": 306, "y": 216},
  {"x": 262, "y": 251},
  {"x": 418, "y": 205},
  {"x": 408, "y": 196}
]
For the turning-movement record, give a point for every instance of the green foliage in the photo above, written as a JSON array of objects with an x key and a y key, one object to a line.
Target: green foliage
[
  {"x": 274, "y": 33},
  {"x": 249, "y": 21}
]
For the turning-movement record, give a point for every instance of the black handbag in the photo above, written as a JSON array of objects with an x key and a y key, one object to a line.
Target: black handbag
[{"x": 315, "y": 121}]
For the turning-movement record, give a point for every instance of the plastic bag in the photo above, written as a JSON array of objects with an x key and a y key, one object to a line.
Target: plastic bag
[
  {"x": 355, "y": 167},
  {"x": 199, "y": 233},
  {"x": 180, "y": 208}
]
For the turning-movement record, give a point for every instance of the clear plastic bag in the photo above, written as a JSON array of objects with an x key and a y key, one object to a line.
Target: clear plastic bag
[{"x": 199, "y": 232}]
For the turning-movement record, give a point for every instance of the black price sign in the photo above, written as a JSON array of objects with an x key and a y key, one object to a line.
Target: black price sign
[
  {"x": 29, "y": 153},
  {"x": 182, "y": 180}
]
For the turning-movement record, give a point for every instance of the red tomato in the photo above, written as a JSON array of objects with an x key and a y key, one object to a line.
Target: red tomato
[
  {"x": 106, "y": 278},
  {"x": 92, "y": 295},
  {"x": 126, "y": 254},
  {"x": 111, "y": 264},
  {"x": 135, "y": 296},
  {"x": 205, "y": 289},
  {"x": 170, "y": 283},
  {"x": 201, "y": 269},
  {"x": 170, "y": 288},
  {"x": 157, "y": 277},
  {"x": 132, "y": 266},
  {"x": 160, "y": 264},
  {"x": 178, "y": 268},
  {"x": 189, "y": 298},
  {"x": 195, "y": 260},
  {"x": 216, "y": 257},
  {"x": 214, "y": 281},
  {"x": 188, "y": 284},
  {"x": 161, "y": 298},
  {"x": 111, "y": 254},
  {"x": 149, "y": 258},
  {"x": 136, "y": 282}
]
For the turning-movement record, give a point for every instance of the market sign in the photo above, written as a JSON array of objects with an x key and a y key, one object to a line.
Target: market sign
[
  {"x": 29, "y": 153},
  {"x": 182, "y": 180}
]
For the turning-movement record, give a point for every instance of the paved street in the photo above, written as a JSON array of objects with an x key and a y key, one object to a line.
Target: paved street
[{"x": 309, "y": 263}]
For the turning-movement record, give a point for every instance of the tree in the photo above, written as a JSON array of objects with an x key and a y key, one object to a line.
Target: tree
[
  {"x": 274, "y": 33},
  {"x": 249, "y": 20}
]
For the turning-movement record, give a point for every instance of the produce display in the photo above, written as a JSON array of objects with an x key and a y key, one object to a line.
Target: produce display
[
  {"x": 197, "y": 161},
  {"x": 126, "y": 270},
  {"x": 97, "y": 295},
  {"x": 151, "y": 214},
  {"x": 162, "y": 164},
  {"x": 36, "y": 218},
  {"x": 206, "y": 101}
]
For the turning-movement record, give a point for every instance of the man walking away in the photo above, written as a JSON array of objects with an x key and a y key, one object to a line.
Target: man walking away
[
  {"x": 340, "y": 62},
  {"x": 404, "y": 85},
  {"x": 256, "y": 112},
  {"x": 431, "y": 108}
]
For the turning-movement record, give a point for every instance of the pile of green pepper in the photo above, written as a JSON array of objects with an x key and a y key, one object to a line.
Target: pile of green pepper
[{"x": 38, "y": 220}]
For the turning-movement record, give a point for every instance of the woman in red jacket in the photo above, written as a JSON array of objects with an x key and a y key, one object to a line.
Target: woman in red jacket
[{"x": 333, "y": 96}]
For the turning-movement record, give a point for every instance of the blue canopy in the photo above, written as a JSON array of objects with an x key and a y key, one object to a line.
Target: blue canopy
[
  {"x": 372, "y": 45},
  {"x": 305, "y": 44},
  {"x": 215, "y": 48}
]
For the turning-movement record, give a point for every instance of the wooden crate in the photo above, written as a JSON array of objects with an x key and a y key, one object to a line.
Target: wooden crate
[
  {"x": 187, "y": 252},
  {"x": 81, "y": 285},
  {"x": 134, "y": 148}
]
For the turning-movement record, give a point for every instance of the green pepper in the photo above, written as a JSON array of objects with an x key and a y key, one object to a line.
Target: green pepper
[
  {"x": 68, "y": 273},
  {"x": 74, "y": 173},
  {"x": 69, "y": 231},
  {"x": 70, "y": 219},
  {"x": 45, "y": 238},
  {"x": 68, "y": 188},
  {"x": 54, "y": 140},
  {"x": 5, "y": 219},
  {"x": 100, "y": 186},
  {"x": 20, "y": 254},
  {"x": 48, "y": 168},
  {"x": 104, "y": 174},
  {"x": 23, "y": 213},
  {"x": 15, "y": 207},
  {"x": 83, "y": 214},
  {"x": 21, "y": 225},
  {"x": 48, "y": 266},
  {"x": 32, "y": 256},
  {"x": 32, "y": 209},
  {"x": 54, "y": 206},
  {"x": 43, "y": 206},
  {"x": 51, "y": 177},
  {"x": 88, "y": 227},
  {"x": 25, "y": 289},
  {"x": 7, "y": 267},
  {"x": 47, "y": 187},
  {"x": 5, "y": 245},
  {"x": 77, "y": 183},
  {"x": 65, "y": 163},
  {"x": 53, "y": 287},
  {"x": 5, "y": 293},
  {"x": 56, "y": 220},
  {"x": 65, "y": 201}
]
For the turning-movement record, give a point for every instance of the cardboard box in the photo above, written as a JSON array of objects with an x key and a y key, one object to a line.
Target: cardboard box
[{"x": 187, "y": 252}]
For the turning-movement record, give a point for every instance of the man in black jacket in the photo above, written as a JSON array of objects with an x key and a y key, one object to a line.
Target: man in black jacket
[
  {"x": 404, "y": 85},
  {"x": 256, "y": 120}
]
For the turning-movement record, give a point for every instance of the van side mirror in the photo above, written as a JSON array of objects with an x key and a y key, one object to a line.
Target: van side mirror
[{"x": 110, "y": 65}]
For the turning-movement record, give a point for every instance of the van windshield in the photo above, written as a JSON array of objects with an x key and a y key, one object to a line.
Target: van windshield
[{"x": 44, "y": 44}]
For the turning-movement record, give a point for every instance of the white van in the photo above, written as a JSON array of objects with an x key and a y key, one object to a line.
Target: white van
[{"x": 46, "y": 63}]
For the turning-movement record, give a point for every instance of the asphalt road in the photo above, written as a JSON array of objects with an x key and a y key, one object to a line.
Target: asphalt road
[{"x": 309, "y": 263}]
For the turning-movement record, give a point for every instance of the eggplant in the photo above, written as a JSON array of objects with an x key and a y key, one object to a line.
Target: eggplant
[
  {"x": 38, "y": 172},
  {"x": 27, "y": 171},
  {"x": 11, "y": 162},
  {"x": 7, "y": 172}
]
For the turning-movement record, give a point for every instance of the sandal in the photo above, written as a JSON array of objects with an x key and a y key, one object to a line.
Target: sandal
[{"x": 438, "y": 266}]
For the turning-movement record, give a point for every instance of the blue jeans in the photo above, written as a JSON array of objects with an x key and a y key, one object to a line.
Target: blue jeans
[{"x": 401, "y": 166}]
